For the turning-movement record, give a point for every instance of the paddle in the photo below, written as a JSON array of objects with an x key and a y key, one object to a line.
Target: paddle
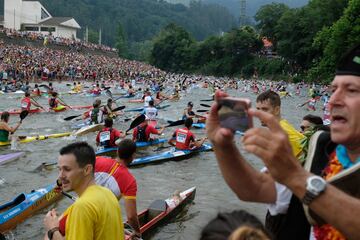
[
  {"x": 75, "y": 116},
  {"x": 59, "y": 184},
  {"x": 23, "y": 114},
  {"x": 204, "y": 105},
  {"x": 176, "y": 123},
  {"x": 202, "y": 110},
  {"x": 136, "y": 122},
  {"x": 44, "y": 86},
  {"x": 37, "y": 103},
  {"x": 206, "y": 100}
]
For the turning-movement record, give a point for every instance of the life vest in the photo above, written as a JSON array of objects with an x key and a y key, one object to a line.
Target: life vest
[
  {"x": 25, "y": 104},
  {"x": 106, "y": 137},
  {"x": 141, "y": 134},
  {"x": 183, "y": 136},
  {"x": 52, "y": 102},
  {"x": 95, "y": 115}
]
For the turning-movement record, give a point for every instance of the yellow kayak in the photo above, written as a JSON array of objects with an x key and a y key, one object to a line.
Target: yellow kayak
[{"x": 25, "y": 139}]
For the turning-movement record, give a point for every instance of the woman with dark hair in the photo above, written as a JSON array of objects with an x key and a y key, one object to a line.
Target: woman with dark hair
[
  {"x": 237, "y": 225},
  {"x": 5, "y": 129}
]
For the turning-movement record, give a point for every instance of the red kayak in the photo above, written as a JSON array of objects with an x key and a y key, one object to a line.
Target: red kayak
[
  {"x": 160, "y": 212},
  {"x": 39, "y": 110}
]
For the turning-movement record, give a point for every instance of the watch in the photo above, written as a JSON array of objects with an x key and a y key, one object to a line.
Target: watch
[
  {"x": 315, "y": 185},
  {"x": 51, "y": 232}
]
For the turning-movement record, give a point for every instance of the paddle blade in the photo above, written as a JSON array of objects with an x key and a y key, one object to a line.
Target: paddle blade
[
  {"x": 136, "y": 122},
  {"x": 108, "y": 93},
  {"x": 207, "y": 100},
  {"x": 23, "y": 114},
  {"x": 202, "y": 110},
  {"x": 204, "y": 105},
  {"x": 176, "y": 123},
  {"x": 71, "y": 117},
  {"x": 44, "y": 86},
  {"x": 119, "y": 108}
]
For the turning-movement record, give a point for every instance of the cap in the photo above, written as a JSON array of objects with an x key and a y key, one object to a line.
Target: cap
[{"x": 349, "y": 64}]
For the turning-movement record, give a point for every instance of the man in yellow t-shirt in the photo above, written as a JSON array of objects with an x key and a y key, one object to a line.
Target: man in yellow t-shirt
[
  {"x": 269, "y": 101},
  {"x": 96, "y": 213}
]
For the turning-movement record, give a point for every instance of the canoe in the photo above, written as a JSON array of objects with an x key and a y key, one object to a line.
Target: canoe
[
  {"x": 139, "y": 109},
  {"x": 173, "y": 154},
  {"x": 199, "y": 125},
  {"x": 10, "y": 157},
  {"x": 89, "y": 129},
  {"x": 25, "y": 205},
  {"x": 160, "y": 212},
  {"x": 113, "y": 150},
  {"x": 39, "y": 110},
  {"x": 25, "y": 139}
]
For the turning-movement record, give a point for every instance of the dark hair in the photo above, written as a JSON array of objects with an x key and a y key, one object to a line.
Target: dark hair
[
  {"x": 225, "y": 224},
  {"x": 5, "y": 116},
  {"x": 188, "y": 122},
  {"x": 151, "y": 103},
  {"x": 190, "y": 104},
  {"x": 82, "y": 151},
  {"x": 313, "y": 119},
  {"x": 272, "y": 96},
  {"x": 108, "y": 122},
  {"x": 126, "y": 149},
  {"x": 54, "y": 94},
  {"x": 27, "y": 94}
]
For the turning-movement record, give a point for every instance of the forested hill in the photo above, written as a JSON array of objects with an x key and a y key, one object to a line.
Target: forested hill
[
  {"x": 252, "y": 6},
  {"x": 142, "y": 19}
]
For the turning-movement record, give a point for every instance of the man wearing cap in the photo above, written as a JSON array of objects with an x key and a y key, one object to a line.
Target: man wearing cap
[
  {"x": 338, "y": 209},
  {"x": 189, "y": 113}
]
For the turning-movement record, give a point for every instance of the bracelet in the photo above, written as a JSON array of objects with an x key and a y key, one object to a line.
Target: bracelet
[{"x": 51, "y": 232}]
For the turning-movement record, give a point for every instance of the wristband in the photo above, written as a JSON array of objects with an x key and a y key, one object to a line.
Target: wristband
[{"x": 51, "y": 232}]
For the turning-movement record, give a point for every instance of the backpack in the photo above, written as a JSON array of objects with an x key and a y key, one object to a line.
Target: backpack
[
  {"x": 52, "y": 102},
  {"x": 141, "y": 134},
  {"x": 94, "y": 115}
]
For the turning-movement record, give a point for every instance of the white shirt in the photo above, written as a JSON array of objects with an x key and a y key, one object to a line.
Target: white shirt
[
  {"x": 150, "y": 113},
  {"x": 147, "y": 99}
]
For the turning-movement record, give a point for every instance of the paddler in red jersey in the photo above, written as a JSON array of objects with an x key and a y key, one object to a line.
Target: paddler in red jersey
[
  {"x": 97, "y": 90},
  {"x": 184, "y": 139},
  {"x": 96, "y": 213},
  {"x": 107, "y": 137},
  {"x": 27, "y": 101},
  {"x": 142, "y": 132},
  {"x": 36, "y": 91},
  {"x": 114, "y": 174}
]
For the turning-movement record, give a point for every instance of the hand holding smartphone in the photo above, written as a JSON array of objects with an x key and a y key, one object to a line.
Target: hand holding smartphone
[{"x": 233, "y": 114}]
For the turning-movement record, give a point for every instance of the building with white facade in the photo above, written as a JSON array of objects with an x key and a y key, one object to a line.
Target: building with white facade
[{"x": 32, "y": 16}]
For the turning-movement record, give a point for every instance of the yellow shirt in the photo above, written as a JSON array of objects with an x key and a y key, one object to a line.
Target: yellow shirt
[
  {"x": 295, "y": 137},
  {"x": 96, "y": 215}
]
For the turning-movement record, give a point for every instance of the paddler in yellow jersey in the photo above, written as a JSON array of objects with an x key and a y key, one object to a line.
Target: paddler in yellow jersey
[{"x": 5, "y": 129}]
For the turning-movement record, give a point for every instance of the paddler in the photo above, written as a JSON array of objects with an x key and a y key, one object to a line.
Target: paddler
[
  {"x": 151, "y": 113},
  {"x": 107, "y": 137},
  {"x": 114, "y": 174},
  {"x": 27, "y": 101},
  {"x": 55, "y": 103},
  {"x": 36, "y": 91},
  {"x": 142, "y": 132},
  {"x": 96, "y": 214},
  {"x": 189, "y": 113},
  {"x": 96, "y": 114},
  {"x": 108, "y": 109},
  {"x": 5, "y": 129},
  {"x": 184, "y": 139},
  {"x": 97, "y": 90},
  {"x": 147, "y": 98}
]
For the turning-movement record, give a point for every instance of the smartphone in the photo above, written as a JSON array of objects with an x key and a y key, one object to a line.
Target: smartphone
[{"x": 233, "y": 114}]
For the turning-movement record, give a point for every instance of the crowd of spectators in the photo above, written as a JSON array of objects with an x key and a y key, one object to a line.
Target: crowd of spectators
[{"x": 50, "y": 39}]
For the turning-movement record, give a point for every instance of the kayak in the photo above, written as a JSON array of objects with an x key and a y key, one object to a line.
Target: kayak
[
  {"x": 39, "y": 110},
  {"x": 10, "y": 157},
  {"x": 174, "y": 154},
  {"x": 89, "y": 129},
  {"x": 25, "y": 139},
  {"x": 25, "y": 205},
  {"x": 199, "y": 125},
  {"x": 160, "y": 212},
  {"x": 113, "y": 150},
  {"x": 139, "y": 109}
]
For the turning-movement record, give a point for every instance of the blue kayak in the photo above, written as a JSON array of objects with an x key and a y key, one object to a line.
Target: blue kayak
[
  {"x": 173, "y": 154},
  {"x": 199, "y": 125},
  {"x": 25, "y": 205},
  {"x": 138, "y": 144},
  {"x": 139, "y": 109}
]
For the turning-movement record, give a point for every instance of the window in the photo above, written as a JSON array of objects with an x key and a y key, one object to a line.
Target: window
[
  {"x": 48, "y": 29},
  {"x": 30, "y": 28},
  {"x": 44, "y": 14}
]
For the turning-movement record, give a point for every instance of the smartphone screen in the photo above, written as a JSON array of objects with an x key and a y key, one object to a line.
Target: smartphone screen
[{"x": 233, "y": 114}]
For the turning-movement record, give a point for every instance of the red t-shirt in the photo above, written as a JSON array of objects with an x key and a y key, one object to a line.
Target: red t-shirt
[
  {"x": 26, "y": 103},
  {"x": 109, "y": 173},
  {"x": 148, "y": 130},
  {"x": 107, "y": 137},
  {"x": 183, "y": 138}
]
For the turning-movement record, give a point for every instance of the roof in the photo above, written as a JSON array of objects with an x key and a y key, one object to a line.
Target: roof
[{"x": 56, "y": 20}]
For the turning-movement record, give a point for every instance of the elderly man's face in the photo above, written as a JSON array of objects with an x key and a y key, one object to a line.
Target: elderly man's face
[{"x": 345, "y": 110}]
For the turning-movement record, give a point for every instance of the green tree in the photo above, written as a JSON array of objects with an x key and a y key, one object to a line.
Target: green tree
[
  {"x": 93, "y": 36},
  {"x": 121, "y": 43},
  {"x": 172, "y": 49}
]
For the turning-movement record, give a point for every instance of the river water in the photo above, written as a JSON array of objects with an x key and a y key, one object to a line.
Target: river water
[{"x": 154, "y": 181}]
